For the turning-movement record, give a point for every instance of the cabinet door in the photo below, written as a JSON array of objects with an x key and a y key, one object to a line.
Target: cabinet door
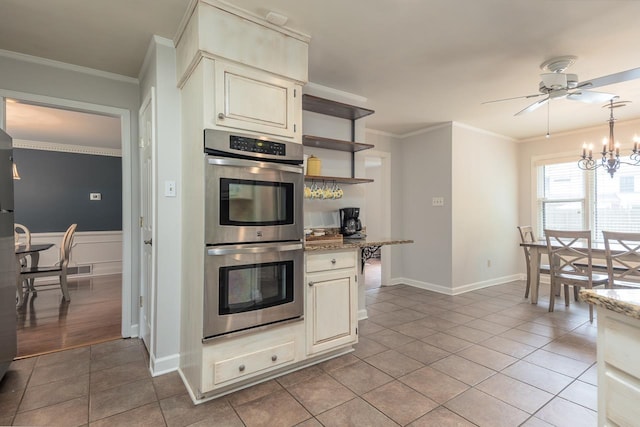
[
  {"x": 331, "y": 310},
  {"x": 255, "y": 100}
]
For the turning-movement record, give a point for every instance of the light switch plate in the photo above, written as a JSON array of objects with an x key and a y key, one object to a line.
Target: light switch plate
[
  {"x": 437, "y": 201},
  {"x": 170, "y": 189}
]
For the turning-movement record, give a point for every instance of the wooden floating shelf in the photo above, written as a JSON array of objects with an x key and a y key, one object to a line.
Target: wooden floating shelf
[
  {"x": 338, "y": 179},
  {"x": 333, "y": 108},
  {"x": 334, "y": 144}
]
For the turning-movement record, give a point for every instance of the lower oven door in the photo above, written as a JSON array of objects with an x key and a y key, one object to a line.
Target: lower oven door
[{"x": 248, "y": 286}]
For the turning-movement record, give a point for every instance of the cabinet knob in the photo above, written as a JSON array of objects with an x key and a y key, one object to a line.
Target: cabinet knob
[
  {"x": 241, "y": 368},
  {"x": 274, "y": 357},
  {"x": 311, "y": 284},
  {"x": 333, "y": 261},
  {"x": 221, "y": 116}
]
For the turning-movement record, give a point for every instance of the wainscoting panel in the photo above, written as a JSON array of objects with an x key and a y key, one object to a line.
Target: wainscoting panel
[{"x": 94, "y": 253}]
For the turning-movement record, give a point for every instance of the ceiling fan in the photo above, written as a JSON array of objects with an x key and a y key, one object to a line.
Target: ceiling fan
[{"x": 557, "y": 84}]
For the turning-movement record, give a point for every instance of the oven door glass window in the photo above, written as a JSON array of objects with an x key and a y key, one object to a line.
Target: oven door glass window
[
  {"x": 255, "y": 203},
  {"x": 255, "y": 286}
]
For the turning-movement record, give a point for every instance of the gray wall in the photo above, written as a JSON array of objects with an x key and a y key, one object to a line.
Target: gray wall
[{"x": 54, "y": 188}]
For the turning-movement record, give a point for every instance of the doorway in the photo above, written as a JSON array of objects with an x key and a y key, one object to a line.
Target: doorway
[
  {"x": 84, "y": 145},
  {"x": 378, "y": 209}
]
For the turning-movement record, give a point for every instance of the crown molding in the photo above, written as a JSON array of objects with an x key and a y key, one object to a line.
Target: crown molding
[
  {"x": 69, "y": 67},
  {"x": 483, "y": 131},
  {"x": 382, "y": 133},
  {"x": 313, "y": 88},
  {"x": 66, "y": 148}
]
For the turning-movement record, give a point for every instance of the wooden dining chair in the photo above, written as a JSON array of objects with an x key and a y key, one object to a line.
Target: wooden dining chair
[
  {"x": 528, "y": 236},
  {"x": 571, "y": 260},
  {"x": 59, "y": 269},
  {"x": 21, "y": 234},
  {"x": 623, "y": 258}
]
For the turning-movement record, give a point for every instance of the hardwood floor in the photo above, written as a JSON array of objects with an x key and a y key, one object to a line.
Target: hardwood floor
[{"x": 47, "y": 323}]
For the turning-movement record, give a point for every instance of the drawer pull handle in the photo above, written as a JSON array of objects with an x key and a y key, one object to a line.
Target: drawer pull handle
[
  {"x": 333, "y": 261},
  {"x": 274, "y": 357},
  {"x": 241, "y": 368},
  {"x": 221, "y": 116},
  {"x": 311, "y": 284}
]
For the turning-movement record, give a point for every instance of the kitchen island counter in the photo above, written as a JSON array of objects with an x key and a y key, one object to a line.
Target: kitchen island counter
[
  {"x": 624, "y": 301},
  {"x": 356, "y": 243}
]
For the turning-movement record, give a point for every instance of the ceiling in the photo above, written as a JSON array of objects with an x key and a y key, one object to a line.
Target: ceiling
[{"x": 419, "y": 62}]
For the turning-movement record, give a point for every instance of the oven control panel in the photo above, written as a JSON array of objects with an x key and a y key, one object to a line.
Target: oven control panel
[{"x": 254, "y": 145}]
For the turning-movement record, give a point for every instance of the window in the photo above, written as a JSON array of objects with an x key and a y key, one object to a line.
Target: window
[{"x": 572, "y": 199}]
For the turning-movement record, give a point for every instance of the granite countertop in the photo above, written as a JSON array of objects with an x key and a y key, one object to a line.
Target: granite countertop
[
  {"x": 624, "y": 301},
  {"x": 356, "y": 243}
]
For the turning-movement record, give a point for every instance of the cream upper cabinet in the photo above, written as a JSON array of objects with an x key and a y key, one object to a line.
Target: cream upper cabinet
[
  {"x": 331, "y": 306},
  {"x": 255, "y": 100}
]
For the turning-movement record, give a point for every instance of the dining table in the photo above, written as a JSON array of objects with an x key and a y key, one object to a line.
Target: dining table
[
  {"x": 538, "y": 248},
  {"x": 23, "y": 251}
]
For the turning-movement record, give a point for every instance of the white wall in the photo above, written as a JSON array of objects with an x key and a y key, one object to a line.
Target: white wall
[
  {"x": 160, "y": 72},
  {"x": 485, "y": 211},
  {"x": 36, "y": 76},
  {"x": 422, "y": 169}
]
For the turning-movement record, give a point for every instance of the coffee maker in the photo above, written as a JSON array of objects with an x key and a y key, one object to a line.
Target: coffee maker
[{"x": 350, "y": 225}]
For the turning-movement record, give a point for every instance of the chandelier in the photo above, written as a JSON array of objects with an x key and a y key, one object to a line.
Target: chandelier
[{"x": 610, "y": 148}]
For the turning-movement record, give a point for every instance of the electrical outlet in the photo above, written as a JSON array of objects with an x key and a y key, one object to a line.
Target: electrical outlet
[
  {"x": 437, "y": 201},
  {"x": 95, "y": 196}
]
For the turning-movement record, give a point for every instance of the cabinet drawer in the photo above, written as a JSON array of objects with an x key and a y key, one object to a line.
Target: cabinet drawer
[
  {"x": 331, "y": 261},
  {"x": 251, "y": 363}
]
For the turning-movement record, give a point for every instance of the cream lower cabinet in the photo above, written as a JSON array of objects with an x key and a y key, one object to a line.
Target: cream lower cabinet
[
  {"x": 250, "y": 99},
  {"x": 331, "y": 304},
  {"x": 618, "y": 369}
]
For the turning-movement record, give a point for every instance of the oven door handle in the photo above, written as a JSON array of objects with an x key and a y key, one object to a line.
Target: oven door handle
[
  {"x": 253, "y": 164},
  {"x": 255, "y": 249}
]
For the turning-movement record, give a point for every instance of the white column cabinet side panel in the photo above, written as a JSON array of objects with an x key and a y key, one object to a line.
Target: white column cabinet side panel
[
  {"x": 331, "y": 304},
  {"x": 618, "y": 369}
]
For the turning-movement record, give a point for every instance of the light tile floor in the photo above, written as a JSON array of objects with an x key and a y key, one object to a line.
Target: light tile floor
[{"x": 486, "y": 358}]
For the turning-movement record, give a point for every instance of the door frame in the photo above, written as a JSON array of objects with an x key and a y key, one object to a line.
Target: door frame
[
  {"x": 148, "y": 300},
  {"x": 127, "y": 328},
  {"x": 385, "y": 157}
]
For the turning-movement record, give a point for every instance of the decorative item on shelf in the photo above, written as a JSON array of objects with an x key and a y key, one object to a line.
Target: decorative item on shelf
[
  {"x": 610, "y": 148},
  {"x": 326, "y": 192},
  {"x": 314, "y": 165}
]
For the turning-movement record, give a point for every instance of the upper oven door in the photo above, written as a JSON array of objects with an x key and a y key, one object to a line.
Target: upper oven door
[{"x": 250, "y": 201}]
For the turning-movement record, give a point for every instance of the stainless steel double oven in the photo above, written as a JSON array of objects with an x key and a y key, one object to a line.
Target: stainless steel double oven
[{"x": 253, "y": 232}]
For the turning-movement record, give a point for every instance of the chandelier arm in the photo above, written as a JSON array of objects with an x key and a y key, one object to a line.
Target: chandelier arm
[{"x": 610, "y": 149}]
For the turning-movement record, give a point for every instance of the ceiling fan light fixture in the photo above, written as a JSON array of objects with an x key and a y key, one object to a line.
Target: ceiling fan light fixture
[
  {"x": 572, "y": 81},
  {"x": 554, "y": 81}
]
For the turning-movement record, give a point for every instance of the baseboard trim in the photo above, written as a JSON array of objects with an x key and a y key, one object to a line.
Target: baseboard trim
[
  {"x": 362, "y": 314},
  {"x": 457, "y": 290},
  {"x": 164, "y": 365}
]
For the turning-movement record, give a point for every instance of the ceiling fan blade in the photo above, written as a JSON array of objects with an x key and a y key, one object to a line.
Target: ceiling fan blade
[
  {"x": 533, "y": 106},
  {"x": 590, "y": 97},
  {"x": 535, "y": 95},
  {"x": 620, "y": 77}
]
